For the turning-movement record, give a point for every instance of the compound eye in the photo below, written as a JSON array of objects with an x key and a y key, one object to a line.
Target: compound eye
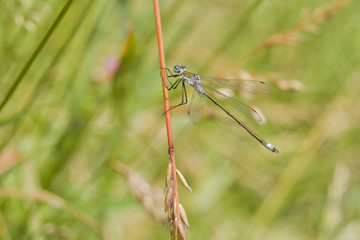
[{"x": 176, "y": 69}]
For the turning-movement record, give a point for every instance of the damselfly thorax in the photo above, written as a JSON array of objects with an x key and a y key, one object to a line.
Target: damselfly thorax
[{"x": 194, "y": 80}]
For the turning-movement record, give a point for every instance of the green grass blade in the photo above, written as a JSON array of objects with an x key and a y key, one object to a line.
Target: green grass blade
[{"x": 33, "y": 56}]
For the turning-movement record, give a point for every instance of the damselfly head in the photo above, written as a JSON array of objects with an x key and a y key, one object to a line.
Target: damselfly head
[
  {"x": 177, "y": 69},
  {"x": 180, "y": 69}
]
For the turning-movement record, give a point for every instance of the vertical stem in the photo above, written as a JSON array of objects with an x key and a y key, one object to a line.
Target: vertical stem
[{"x": 166, "y": 105}]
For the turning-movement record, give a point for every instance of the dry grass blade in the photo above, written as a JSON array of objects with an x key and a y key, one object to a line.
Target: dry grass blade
[
  {"x": 149, "y": 196},
  {"x": 8, "y": 159},
  {"x": 183, "y": 180},
  {"x": 51, "y": 199},
  {"x": 294, "y": 34}
]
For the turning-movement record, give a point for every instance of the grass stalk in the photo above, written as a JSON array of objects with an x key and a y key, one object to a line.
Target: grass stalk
[{"x": 167, "y": 113}]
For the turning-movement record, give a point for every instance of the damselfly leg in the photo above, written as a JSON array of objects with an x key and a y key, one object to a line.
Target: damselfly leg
[{"x": 174, "y": 85}]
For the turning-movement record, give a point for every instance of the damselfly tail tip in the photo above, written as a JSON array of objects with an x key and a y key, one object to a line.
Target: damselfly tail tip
[{"x": 271, "y": 148}]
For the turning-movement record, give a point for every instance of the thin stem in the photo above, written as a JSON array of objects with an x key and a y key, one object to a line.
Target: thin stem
[
  {"x": 36, "y": 52},
  {"x": 166, "y": 106}
]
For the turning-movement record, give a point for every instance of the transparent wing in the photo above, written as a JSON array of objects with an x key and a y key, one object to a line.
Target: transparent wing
[
  {"x": 196, "y": 108},
  {"x": 241, "y": 107},
  {"x": 250, "y": 86}
]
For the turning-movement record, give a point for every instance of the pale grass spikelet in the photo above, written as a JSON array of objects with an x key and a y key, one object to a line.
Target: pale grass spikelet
[
  {"x": 168, "y": 176},
  {"x": 175, "y": 210},
  {"x": 183, "y": 180},
  {"x": 168, "y": 199},
  {"x": 181, "y": 231},
  {"x": 184, "y": 217},
  {"x": 172, "y": 229}
]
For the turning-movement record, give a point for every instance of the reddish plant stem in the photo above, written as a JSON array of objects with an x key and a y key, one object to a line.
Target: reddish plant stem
[{"x": 166, "y": 105}]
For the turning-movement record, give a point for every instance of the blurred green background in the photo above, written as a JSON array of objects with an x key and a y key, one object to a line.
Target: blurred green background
[{"x": 83, "y": 143}]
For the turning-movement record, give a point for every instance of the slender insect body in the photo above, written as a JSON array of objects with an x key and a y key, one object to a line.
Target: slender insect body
[{"x": 195, "y": 112}]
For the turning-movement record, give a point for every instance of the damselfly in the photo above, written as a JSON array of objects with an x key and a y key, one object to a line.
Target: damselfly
[{"x": 202, "y": 89}]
